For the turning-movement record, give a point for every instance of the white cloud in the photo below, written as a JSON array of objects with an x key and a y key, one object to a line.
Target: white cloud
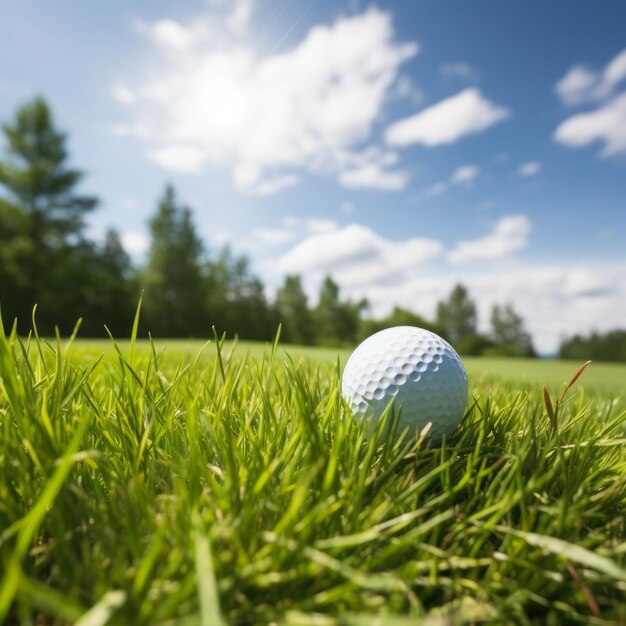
[
  {"x": 464, "y": 174},
  {"x": 357, "y": 255},
  {"x": 606, "y": 124},
  {"x": 308, "y": 107},
  {"x": 185, "y": 159},
  {"x": 510, "y": 234},
  {"x": 459, "y": 69},
  {"x": 135, "y": 244},
  {"x": 615, "y": 71},
  {"x": 582, "y": 84},
  {"x": 446, "y": 122},
  {"x": 169, "y": 33},
  {"x": 372, "y": 176},
  {"x": 577, "y": 85},
  {"x": 553, "y": 299},
  {"x": 531, "y": 168}
]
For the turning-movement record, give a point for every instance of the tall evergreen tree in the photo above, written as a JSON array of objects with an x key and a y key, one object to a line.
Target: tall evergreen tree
[
  {"x": 41, "y": 221},
  {"x": 293, "y": 312},
  {"x": 174, "y": 298},
  {"x": 457, "y": 315}
]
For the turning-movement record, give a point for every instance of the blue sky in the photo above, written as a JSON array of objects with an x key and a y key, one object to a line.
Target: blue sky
[{"x": 400, "y": 146}]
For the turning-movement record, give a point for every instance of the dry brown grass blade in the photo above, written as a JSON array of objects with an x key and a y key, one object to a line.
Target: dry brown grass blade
[
  {"x": 574, "y": 378},
  {"x": 591, "y": 601}
]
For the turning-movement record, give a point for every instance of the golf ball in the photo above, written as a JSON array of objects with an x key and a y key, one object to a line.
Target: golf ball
[{"x": 416, "y": 368}]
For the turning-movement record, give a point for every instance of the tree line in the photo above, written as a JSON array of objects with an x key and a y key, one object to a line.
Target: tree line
[
  {"x": 610, "y": 346},
  {"x": 47, "y": 259}
]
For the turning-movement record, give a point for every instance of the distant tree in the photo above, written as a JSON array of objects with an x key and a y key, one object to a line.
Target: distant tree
[
  {"x": 457, "y": 315},
  {"x": 610, "y": 346},
  {"x": 235, "y": 298},
  {"x": 174, "y": 285},
  {"x": 337, "y": 322},
  {"x": 509, "y": 333},
  {"x": 398, "y": 317},
  {"x": 293, "y": 312},
  {"x": 41, "y": 222},
  {"x": 111, "y": 292},
  {"x": 475, "y": 345}
]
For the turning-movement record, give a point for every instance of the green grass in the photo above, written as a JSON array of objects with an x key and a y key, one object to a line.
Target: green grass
[
  {"x": 169, "y": 486},
  {"x": 609, "y": 378}
]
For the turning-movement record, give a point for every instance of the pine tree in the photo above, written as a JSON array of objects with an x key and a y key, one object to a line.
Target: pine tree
[
  {"x": 41, "y": 221},
  {"x": 174, "y": 299}
]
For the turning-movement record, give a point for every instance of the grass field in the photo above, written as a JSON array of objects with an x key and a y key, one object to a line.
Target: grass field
[
  {"x": 170, "y": 486},
  {"x": 607, "y": 378}
]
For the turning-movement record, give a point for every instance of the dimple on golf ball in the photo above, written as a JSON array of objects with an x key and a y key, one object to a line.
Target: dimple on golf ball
[{"x": 416, "y": 368}]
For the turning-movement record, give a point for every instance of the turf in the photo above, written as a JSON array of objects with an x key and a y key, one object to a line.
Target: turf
[
  {"x": 163, "y": 484},
  {"x": 608, "y": 378}
]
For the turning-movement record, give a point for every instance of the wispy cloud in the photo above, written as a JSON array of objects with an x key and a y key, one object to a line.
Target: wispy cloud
[
  {"x": 607, "y": 124},
  {"x": 435, "y": 190},
  {"x": 464, "y": 174},
  {"x": 372, "y": 176},
  {"x": 460, "y": 69},
  {"x": 582, "y": 84},
  {"x": 446, "y": 122},
  {"x": 531, "y": 168}
]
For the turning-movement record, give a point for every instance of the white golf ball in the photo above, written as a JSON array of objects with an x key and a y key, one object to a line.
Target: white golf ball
[{"x": 416, "y": 368}]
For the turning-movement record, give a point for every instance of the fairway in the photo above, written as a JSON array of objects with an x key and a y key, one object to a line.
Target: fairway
[
  {"x": 183, "y": 487},
  {"x": 605, "y": 378}
]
